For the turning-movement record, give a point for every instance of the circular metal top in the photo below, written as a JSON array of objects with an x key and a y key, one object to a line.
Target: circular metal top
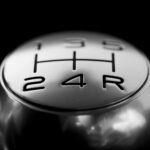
[{"x": 74, "y": 71}]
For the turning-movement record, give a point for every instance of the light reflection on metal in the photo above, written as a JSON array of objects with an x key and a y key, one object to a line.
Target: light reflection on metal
[
  {"x": 83, "y": 120},
  {"x": 113, "y": 127},
  {"x": 129, "y": 121}
]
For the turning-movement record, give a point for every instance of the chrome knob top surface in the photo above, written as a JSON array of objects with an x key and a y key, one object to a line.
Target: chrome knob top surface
[{"x": 74, "y": 71}]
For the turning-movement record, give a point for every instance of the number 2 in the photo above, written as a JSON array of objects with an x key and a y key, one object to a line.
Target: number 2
[{"x": 33, "y": 81}]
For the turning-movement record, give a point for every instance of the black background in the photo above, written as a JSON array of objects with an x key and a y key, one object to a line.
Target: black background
[{"x": 20, "y": 23}]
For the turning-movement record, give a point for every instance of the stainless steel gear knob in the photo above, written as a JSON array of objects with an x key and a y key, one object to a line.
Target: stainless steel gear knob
[{"x": 75, "y": 90}]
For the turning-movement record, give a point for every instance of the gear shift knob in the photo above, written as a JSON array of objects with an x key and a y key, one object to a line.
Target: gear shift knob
[{"x": 75, "y": 90}]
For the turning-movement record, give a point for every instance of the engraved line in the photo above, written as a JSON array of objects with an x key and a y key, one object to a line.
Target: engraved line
[
  {"x": 74, "y": 60},
  {"x": 39, "y": 46},
  {"x": 35, "y": 63},
  {"x": 113, "y": 62},
  {"x": 79, "y": 59}
]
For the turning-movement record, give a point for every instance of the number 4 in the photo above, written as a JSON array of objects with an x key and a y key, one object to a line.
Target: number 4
[{"x": 69, "y": 82}]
